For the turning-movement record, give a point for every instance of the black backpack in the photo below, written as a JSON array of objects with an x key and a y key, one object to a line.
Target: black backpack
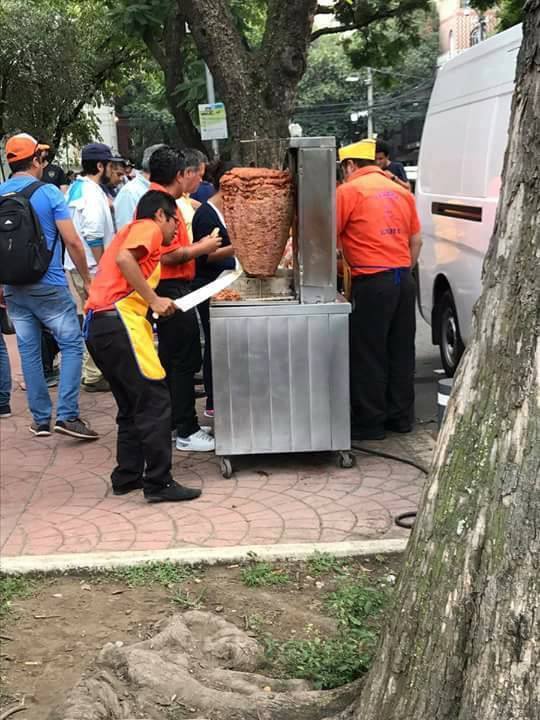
[{"x": 24, "y": 255}]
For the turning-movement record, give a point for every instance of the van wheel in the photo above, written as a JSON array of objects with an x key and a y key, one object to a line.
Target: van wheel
[{"x": 451, "y": 345}]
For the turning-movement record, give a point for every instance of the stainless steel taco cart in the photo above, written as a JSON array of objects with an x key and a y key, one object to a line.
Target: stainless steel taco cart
[{"x": 280, "y": 355}]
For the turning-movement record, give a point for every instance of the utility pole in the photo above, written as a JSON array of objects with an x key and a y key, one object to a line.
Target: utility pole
[
  {"x": 369, "y": 83},
  {"x": 211, "y": 96}
]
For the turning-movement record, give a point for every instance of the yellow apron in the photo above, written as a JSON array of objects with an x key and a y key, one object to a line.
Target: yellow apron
[{"x": 133, "y": 311}]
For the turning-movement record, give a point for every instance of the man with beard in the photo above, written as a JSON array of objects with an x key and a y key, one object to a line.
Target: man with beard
[{"x": 91, "y": 214}]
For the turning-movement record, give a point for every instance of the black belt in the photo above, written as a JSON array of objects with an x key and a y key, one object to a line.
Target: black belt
[
  {"x": 397, "y": 272},
  {"x": 104, "y": 314}
]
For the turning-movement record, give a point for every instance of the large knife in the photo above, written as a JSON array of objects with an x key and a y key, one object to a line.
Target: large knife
[{"x": 196, "y": 297}]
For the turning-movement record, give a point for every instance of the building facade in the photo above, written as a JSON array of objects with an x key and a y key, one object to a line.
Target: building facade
[{"x": 460, "y": 26}]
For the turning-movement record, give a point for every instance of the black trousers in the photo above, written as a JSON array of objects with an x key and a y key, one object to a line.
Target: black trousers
[
  {"x": 382, "y": 356},
  {"x": 180, "y": 355},
  {"x": 144, "y": 408}
]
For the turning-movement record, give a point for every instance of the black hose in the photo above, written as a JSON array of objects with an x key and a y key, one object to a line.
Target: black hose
[{"x": 400, "y": 520}]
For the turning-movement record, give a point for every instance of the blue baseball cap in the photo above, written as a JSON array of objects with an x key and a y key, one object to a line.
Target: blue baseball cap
[{"x": 99, "y": 152}]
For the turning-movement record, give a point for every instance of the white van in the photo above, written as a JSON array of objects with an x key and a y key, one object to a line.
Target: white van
[{"x": 459, "y": 179}]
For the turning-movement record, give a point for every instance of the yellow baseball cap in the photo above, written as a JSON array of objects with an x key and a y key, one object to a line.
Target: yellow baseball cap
[{"x": 363, "y": 150}]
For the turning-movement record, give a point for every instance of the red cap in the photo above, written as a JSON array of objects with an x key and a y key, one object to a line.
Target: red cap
[{"x": 22, "y": 146}]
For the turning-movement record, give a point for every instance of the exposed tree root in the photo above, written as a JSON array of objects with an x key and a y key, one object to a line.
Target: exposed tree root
[{"x": 201, "y": 663}]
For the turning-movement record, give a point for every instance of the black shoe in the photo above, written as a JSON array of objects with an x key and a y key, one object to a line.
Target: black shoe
[
  {"x": 173, "y": 492},
  {"x": 397, "y": 427},
  {"x": 5, "y": 411},
  {"x": 100, "y": 386},
  {"x": 76, "y": 428},
  {"x": 359, "y": 434},
  {"x": 41, "y": 429},
  {"x": 128, "y": 487}
]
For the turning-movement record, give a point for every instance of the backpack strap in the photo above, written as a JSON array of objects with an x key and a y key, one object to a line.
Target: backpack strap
[
  {"x": 27, "y": 193},
  {"x": 30, "y": 189}
]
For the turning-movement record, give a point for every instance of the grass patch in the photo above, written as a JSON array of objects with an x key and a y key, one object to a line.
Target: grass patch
[
  {"x": 11, "y": 587},
  {"x": 322, "y": 563},
  {"x": 262, "y": 575},
  {"x": 330, "y": 662},
  {"x": 152, "y": 573},
  {"x": 356, "y": 603},
  {"x": 189, "y": 601},
  {"x": 326, "y": 663}
]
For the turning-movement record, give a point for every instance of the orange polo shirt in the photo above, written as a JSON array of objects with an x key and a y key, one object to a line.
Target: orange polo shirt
[
  {"x": 185, "y": 271},
  {"x": 109, "y": 285},
  {"x": 376, "y": 219}
]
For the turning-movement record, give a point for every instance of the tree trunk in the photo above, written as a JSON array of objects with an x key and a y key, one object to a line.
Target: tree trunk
[
  {"x": 258, "y": 87},
  {"x": 464, "y": 638},
  {"x": 170, "y": 57}
]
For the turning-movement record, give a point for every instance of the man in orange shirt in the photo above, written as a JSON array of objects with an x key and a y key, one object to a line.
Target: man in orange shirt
[
  {"x": 379, "y": 236},
  {"x": 120, "y": 340},
  {"x": 179, "y": 336}
]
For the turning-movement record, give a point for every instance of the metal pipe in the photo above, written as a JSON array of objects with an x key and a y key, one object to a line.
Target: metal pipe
[
  {"x": 211, "y": 96},
  {"x": 369, "y": 84}
]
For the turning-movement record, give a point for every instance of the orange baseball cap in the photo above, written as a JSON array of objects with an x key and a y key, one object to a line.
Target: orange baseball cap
[{"x": 22, "y": 146}]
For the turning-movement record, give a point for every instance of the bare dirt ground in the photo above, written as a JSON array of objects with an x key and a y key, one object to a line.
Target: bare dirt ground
[{"x": 52, "y": 628}]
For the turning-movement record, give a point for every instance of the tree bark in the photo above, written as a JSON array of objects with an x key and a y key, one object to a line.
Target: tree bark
[
  {"x": 169, "y": 54},
  {"x": 259, "y": 86},
  {"x": 464, "y": 637}
]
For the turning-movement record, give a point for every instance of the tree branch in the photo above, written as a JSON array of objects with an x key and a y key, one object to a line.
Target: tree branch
[
  {"x": 219, "y": 41},
  {"x": 325, "y": 10},
  {"x": 369, "y": 19},
  {"x": 332, "y": 30}
]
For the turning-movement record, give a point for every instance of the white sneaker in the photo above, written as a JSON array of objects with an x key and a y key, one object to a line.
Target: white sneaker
[
  {"x": 208, "y": 429},
  {"x": 198, "y": 442}
]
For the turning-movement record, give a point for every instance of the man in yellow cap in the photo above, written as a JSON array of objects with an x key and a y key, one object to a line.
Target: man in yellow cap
[{"x": 379, "y": 236}]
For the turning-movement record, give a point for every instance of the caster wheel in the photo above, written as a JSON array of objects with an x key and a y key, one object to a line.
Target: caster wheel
[
  {"x": 345, "y": 460},
  {"x": 226, "y": 468}
]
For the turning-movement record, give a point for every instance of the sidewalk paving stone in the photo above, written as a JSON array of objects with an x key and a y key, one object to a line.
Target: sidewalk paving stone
[{"x": 55, "y": 494}]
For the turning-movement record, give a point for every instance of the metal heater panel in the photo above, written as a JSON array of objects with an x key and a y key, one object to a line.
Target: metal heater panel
[
  {"x": 316, "y": 193},
  {"x": 281, "y": 382}
]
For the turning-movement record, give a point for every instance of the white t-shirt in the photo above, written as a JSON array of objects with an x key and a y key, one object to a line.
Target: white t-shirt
[{"x": 91, "y": 216}]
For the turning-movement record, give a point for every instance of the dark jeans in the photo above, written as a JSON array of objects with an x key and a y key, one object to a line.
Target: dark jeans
[
  {"x": 144, "y": 408},
  {"x": 180, "y": 355},
  {"x": 383, "y": 327}
]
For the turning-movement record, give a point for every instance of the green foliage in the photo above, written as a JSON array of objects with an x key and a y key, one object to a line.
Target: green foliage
[
  {"x": 320, "y": 563},
  {"x": 327, "y": 663},
  {"x": 404, "y": 71},
  {"x": 144, "y": 104},
  {"x": 262, "y": 574},
  {"x": 56, "y": 56},
  {"x": 250, "y": 18},
  {"x": 334, "y": 661},
  {"x": 366, "y": 13},
  {"x": 188, "y": 601},
  {"x": 11, "y": 587},
  {"x": 152, "y": 573},
  {"x": 510, "y": 12},
  {"x": 353, "y": 604}
]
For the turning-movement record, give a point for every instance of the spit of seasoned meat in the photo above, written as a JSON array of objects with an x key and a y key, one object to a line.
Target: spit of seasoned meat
[{"x": 258, "y": 208}]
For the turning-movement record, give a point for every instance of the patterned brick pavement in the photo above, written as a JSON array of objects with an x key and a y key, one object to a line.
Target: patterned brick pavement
[{"x": 55, "y": 494}]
